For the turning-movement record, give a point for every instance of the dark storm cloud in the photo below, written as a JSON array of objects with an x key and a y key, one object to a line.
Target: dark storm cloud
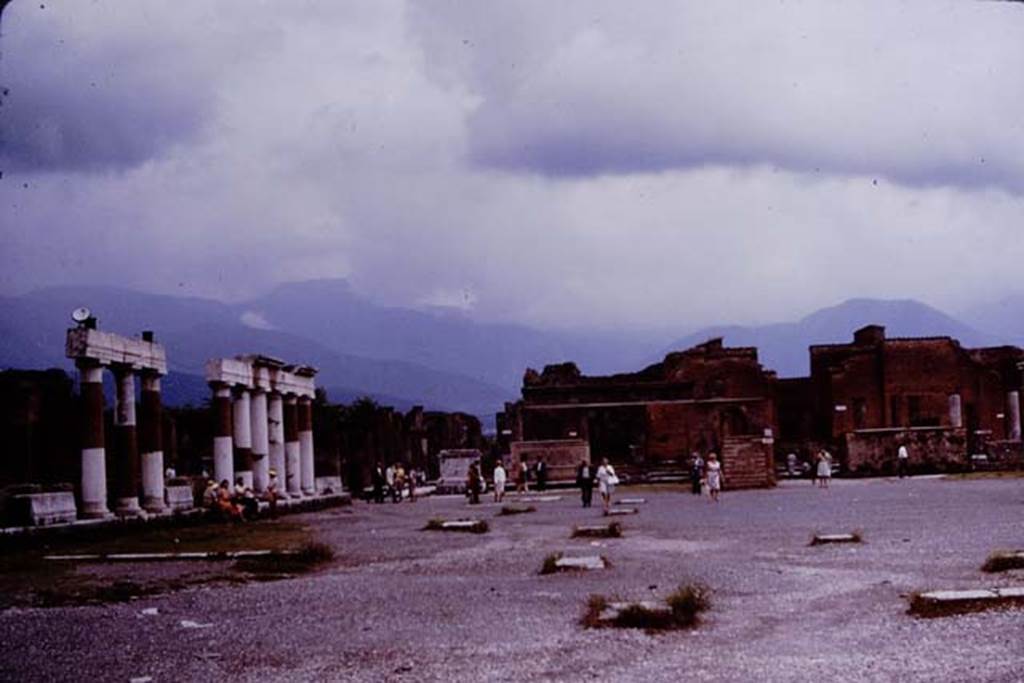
[{"x": 75, "y": 103}]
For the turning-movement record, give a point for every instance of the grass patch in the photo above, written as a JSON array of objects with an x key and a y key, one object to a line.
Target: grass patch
[
  {"x": 612, "y": 530},
  {"x": 682, "y": 610},
  {"x": 305, "y": 559},
  {"x": 1003, "y": 561},
  {"x": 550, "y": 564},
  {"x": 507, "y": 510}
]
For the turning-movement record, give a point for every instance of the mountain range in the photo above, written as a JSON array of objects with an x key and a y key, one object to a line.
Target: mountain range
[{"x": 442, "y": 359}]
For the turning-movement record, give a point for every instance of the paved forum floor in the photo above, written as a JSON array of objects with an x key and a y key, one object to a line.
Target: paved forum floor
[{"x": 403, "y": 604}]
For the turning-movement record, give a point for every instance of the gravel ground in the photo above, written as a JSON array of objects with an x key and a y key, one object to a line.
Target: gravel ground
[{"x": 401, "y": 604}]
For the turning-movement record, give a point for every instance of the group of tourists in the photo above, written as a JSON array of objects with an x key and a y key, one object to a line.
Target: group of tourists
[
  {"x": 706, "y": 475},
  {"x": 605, "y": 478},
  {"x": 819, "y": 471},
  {"x": 239, "y": 503},
  {"x": 394, "y": 482}
]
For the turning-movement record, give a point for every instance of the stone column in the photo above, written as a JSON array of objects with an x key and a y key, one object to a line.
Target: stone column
[
  {"x": 305, "y": 422},
  {"x": 275, "y": 438},
  {"x": 223, "y": 444},
  {"x": 292, "y": 450},
  {"x": 260, "y": 441},
  {"x": 1013, "y": 415},
  {"x": 151, "y": 445},
  {"x": 242, "y": 422},
  {"x": 956, "y": 415},
  {"x": 126, "y": 495},
  {"x": 94, "y": 454}
]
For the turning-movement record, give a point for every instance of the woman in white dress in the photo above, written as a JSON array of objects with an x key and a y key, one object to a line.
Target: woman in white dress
[
  {"x": 824, "y": 469},
  {"x": 499, "y": 482},
  {"x": 606, "y": 481},
  {"x": 713, "y": 475}
]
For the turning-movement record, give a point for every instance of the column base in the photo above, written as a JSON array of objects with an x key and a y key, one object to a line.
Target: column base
[
  {"x": 128, "y": 507},
  {"x": 154, "y": 506},
  {"x": 94, "y": 511}
]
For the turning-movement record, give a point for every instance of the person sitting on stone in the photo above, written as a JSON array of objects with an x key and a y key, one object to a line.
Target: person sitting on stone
[
  {"x": 225, "y": 505},
  {"x": 210, "y": 495},
  {"x": 245, "y": 500}
]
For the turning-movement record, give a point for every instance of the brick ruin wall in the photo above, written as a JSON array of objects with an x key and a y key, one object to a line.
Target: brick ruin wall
[
  {"x": 747, "y": 463},
  {"x": 872, "y": 452},
  {"x": 562, "y": 456}
]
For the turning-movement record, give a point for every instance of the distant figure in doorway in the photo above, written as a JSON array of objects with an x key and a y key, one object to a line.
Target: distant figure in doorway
[
  {"x": 542, "y": 474},
  {"x": 398, "y": 486},
  {"x": 696, "y": 473},
  {"x": 379, "y": 480},
  {"x": 606, "y": 482},
  {"x": 713, "y": 476},
  {"x": 473, "y": 484},
  {"x": 824, "y": 468},
  {"x": 500, "y": 478},
  {"x": 522, "y": 486},
  {"x": 902, "y": 459},
  {"x": 585, "y": 480},
  {"x": 791, "y": 464}
]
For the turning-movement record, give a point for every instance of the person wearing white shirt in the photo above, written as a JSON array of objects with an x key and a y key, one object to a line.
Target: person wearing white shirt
[{"x": 902, "y": 459}]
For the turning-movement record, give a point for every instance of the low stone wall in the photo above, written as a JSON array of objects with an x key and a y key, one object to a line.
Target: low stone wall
[
  {"x": 562, "y": 456},
  {"x": 1001, "y": 455},
  {"x": 42, "y": 509},
  {"x": 327, "y": 485},
  {"x": 930, "y": 449},
  {"x": 747, "y": 462}
]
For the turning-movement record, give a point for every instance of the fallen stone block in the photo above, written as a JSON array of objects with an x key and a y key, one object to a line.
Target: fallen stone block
[
  {"x": 179, "y": 497},
  {"x": 473, "y": 526},
  {"x": 613, "y": 530},
  {"x": 43, "y": 509},
  {"x": 948, "y": 602},
  {"x": 824, "y": 539},
  {"x": 328, "y": 485},
  {"x": 507, "y": 510},
  {"x": 680, "y": 610},
  {"x": 1004, "y": 561},
  {"x": 585, "y": 563},
  {"x": 631, "y": 501},
  {"x": 539, "y": 499},
  {"x": 619, "y": 512}
]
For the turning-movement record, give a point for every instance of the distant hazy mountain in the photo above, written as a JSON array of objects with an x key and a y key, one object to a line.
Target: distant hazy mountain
[
  {"x": 446, "y": 339},
  {"x": 32, "y": 331},
  {"x": 1004, "y": 317},
  {"x": 783, "y": 346}
]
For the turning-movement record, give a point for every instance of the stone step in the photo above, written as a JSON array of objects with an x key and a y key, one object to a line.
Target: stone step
[{"x": 586, "y": 563}]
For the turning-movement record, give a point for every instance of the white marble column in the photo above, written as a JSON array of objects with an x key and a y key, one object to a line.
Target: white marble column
[
  {"x": 260, "y": 441},
  {"x": 242, "y": 422},
  {"x": 1013, "y": 415},
  {"x": 275, "y": 438},
  {"x": 223, "y": 443},
  {"x": 956, "y": 415},
  {"x": 151, "y": 448},
  {"x": 305, "y": 420},
  {"x": 292, "y": 449},
  {"x": 94, "y": 453}
]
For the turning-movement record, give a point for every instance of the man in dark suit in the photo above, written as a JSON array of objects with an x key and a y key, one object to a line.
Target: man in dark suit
[
  {"x": 585, "y": 480},
  {"x": 542, "y": 474}
]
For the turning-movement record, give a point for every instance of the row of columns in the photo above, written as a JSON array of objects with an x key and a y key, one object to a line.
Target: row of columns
[
  {"x": 256, "y": 431},
  {"x": 127, "y": 440},
  {"x": 1013, "y": 419}
]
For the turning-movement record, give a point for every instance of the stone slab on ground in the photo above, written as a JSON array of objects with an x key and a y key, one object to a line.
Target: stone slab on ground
[
  {"x": 585, "y": 563},
  {"x": 942, "y": 602},
  {"x": 631, "y": 501},
  {"x": 613, "y": 530},
  {"x": 166, "y": 557},
  {"x": 820, "y": 539},
  {"x": 620, "y": 512},
  {"x": 539, "y": 499}
]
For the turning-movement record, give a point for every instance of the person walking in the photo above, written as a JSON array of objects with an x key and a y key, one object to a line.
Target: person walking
[
  {"x": 500, "y": 478},
  {"x": 389, "y": 479},
  {"x": 413, "y": 479},
  {"x": 606, "y": 482},
  {"x": 521, "y": 475},
  {"x": 542, "y": 474},
  {"x": 379, "y": 481},
  {"x": 473, "y": 484},
  {"x": 713, "y": 475},
  {"x": 585, "y": 480},
  {"x": 398, "y": 485},
  {"x": 902, "y": 459},
  {"x": 824, "y": 469},
  {"x": 696, "y": 473}
]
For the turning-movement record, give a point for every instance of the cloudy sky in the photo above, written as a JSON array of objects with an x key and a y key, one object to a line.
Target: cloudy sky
[{"x": 575, "y": 163}]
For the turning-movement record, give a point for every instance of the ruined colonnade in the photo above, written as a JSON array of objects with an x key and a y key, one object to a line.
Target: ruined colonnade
[{"x": 263, "y": 420}]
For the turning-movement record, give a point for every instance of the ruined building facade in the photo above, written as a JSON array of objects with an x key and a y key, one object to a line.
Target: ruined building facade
[
  {"x": 943, "y": 401},
  {"x": 708, "y": 398}
]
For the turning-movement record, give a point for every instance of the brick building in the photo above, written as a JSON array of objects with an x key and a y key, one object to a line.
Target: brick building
[
  {"x": 708, "y": 398},
  {"x": 864, "y": 398}
]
